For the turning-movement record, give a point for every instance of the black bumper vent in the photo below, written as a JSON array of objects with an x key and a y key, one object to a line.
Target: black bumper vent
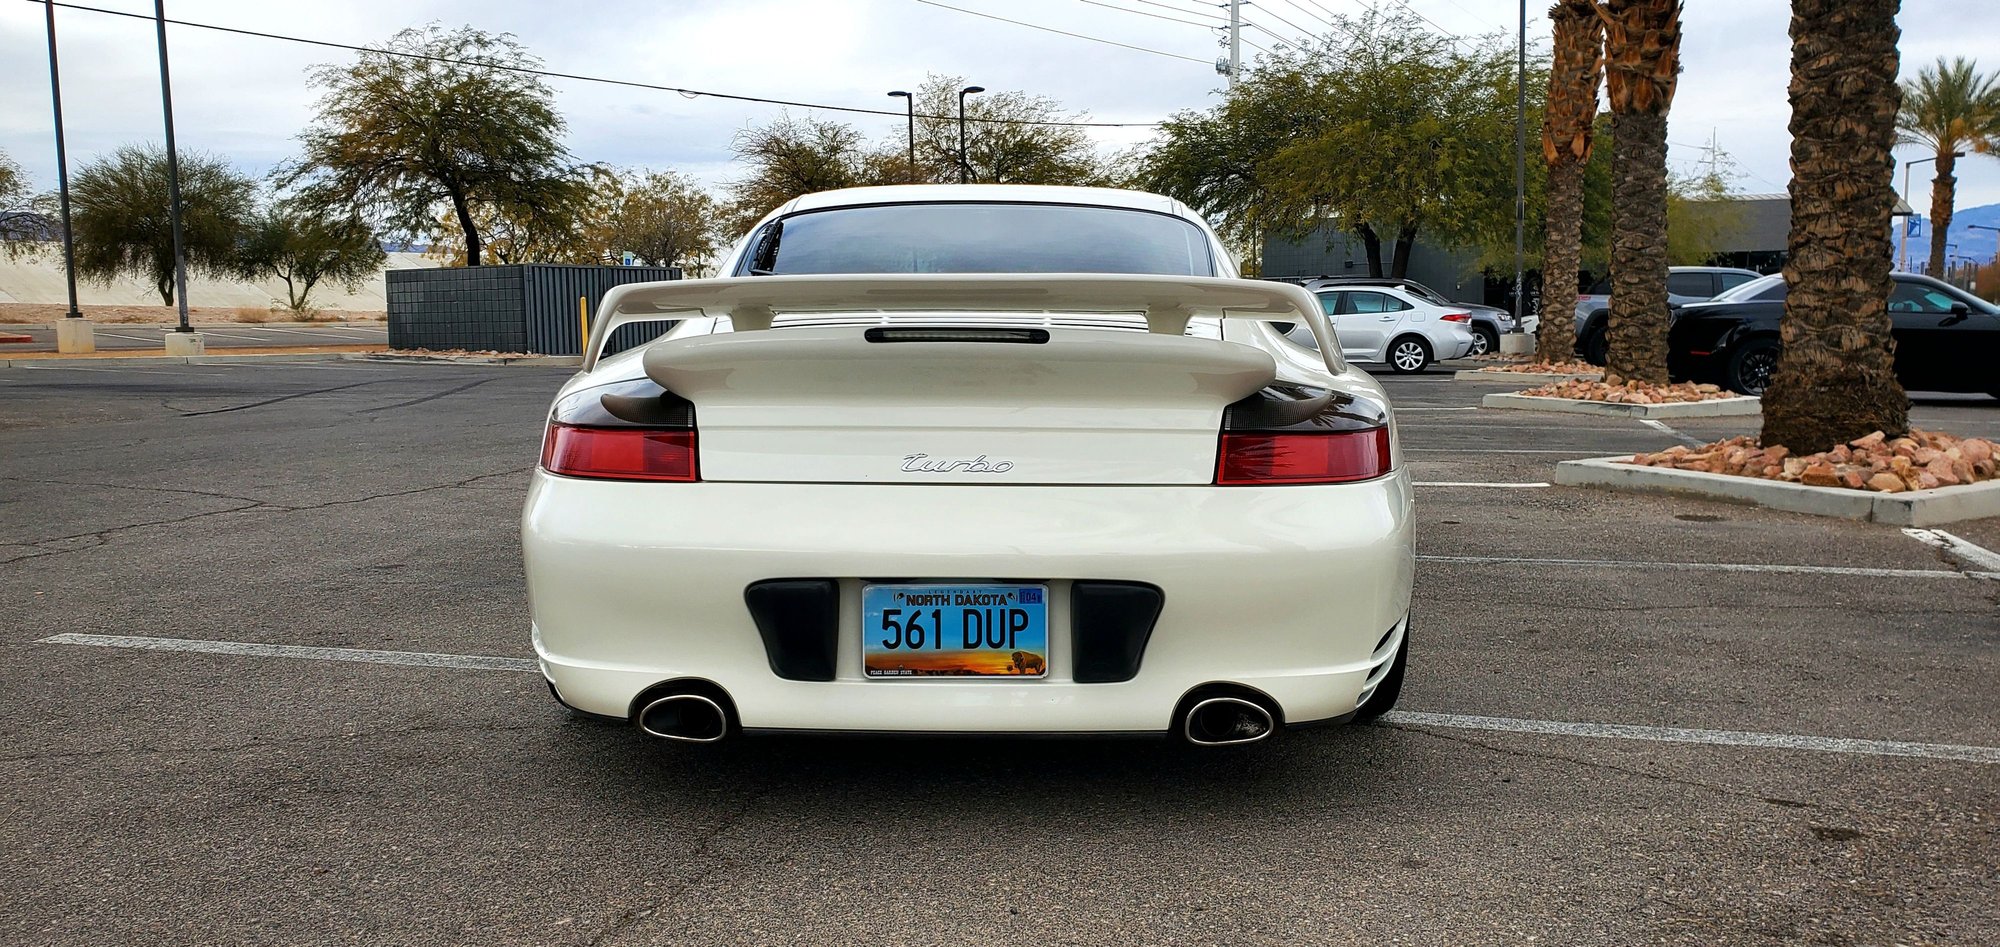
[
  {"x": 799, "y": 620},
  {"x": 1109, "y": 625}
]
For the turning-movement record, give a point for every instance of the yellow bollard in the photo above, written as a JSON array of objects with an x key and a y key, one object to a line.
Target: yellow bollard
[{"x": 583, "y": 320}]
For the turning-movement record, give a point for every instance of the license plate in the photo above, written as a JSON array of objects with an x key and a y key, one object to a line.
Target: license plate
[{"x": 954, "y": 630}]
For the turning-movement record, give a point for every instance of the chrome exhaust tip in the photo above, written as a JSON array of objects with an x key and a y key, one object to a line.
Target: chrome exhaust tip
[
  {"x": 689, "y": 718},
  {"x": 1226, "y": 721}
]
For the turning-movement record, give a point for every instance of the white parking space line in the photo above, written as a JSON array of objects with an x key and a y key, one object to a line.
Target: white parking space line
[
  {"x": 1501, "y": 450},
  {"x": 1613, "y": 731},
  {"x": 1957, "y": 547},
  {"x": 472, "y": 662},
  {"x": 1710, "y": 567},
  {"x": 1474, "y": 483},
  {"x": 1402, "y": 410},
  {"x": 1662, "y": 426},
  {"x": 1767, "y": 741},
  {"x": 131, "y": 338},
  {"x": 108, "y": 371}
]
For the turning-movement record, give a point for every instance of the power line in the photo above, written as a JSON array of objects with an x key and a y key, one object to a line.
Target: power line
[
  {"x": 546, "y": 73},
  {"x": 1169, "y": 6},
  {"x": 1156, "y": 16},
  {"x": 1308, "y": 14},
  {"x": 1051, "y": 29}
]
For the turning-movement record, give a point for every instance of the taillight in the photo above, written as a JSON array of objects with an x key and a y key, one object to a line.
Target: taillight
[
  {"x": 1456, "y": 316},
  {"x": 619, "y": 453},
  {"x": 1288, "y": 457}
]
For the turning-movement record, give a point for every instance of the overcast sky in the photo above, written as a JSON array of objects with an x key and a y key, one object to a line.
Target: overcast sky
[{"x": 246, "y": 97}]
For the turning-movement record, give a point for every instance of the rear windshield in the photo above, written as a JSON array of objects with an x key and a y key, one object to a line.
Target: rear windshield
[
  {"x": 1762, "y": 289},
  {"x": 979, "y": 238}
]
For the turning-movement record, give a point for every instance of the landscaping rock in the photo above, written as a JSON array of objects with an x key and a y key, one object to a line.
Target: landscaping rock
[
  {"x": 1630, "y": 392},
  {"x": 1921, "y": 461}
]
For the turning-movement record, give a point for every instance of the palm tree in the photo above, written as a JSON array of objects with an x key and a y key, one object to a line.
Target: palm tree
[
  {"x": 1836, "y": 380},
  {"x": 1567, "y": 123},
  {"x": 1949, "y": 108},
  {"x": 1642, "y": 62}
]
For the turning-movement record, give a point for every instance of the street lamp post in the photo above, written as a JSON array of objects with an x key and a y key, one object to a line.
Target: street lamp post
[
  {"x": 1996, "y": 250},
  {"x": 1904, "y": 262},
  {"x": 1521, "y": 182},
  {"x": 911, "y": 101},
  {"x": 62, "y": 165},
  {"x": 964, "y": 166},
  {"x": 173, "y": 167}
]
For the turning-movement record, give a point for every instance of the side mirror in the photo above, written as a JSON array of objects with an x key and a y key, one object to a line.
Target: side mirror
[{"x": 1959, "y": 313}]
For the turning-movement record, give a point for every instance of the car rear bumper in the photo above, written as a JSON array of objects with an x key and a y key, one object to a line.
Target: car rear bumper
[{"x": 1298, "y": 592}]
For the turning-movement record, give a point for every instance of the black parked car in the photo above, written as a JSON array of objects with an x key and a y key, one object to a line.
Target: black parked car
[{"x": 1946, "y": 338}]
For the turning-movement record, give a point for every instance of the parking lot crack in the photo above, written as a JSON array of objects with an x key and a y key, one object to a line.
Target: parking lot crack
[
  {"x": 432, "y": 397},
  {"x": 703, "y": 852},
  {"x": 134, "y": 486},
  {"x": 1524, "y": 753},
  {"x": 269, "y": 401}
]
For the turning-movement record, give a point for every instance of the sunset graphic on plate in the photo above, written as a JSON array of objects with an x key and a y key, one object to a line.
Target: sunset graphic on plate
[{"x": 954, "y": 630}]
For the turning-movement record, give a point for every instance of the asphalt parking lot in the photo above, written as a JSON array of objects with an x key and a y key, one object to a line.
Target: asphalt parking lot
[{"x": 1804, "y": 716}]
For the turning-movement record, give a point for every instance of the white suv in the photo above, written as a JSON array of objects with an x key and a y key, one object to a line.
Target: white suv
[{"x": 1392, "y": 326}]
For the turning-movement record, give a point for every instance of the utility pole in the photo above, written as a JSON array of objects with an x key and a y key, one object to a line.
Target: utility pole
[
  {"x": 1235, "y": 39},
  {"x": 1521, "y": 179},
  {"x": 73, "y": 334},
  {"x": 191, "y": 344}
]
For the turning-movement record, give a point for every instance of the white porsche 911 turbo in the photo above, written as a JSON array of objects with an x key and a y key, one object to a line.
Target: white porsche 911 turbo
[{"x": 971, "y": 459}]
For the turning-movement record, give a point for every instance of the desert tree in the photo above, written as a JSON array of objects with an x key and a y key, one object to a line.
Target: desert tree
[
  {"x": 1949, "y": 109},
  {"x": 304, "y": 246},
  {"x": 662, "y": 217},
  {"x": 436, "y": 125},
  {"x": 1642, "y": 62},
  {"x": 119, "y": 215},
  {"x": 1568, "y": 123},
  {"x": 1011, "y": 138},
  {"x": 1836, "y": 376},
  {"x": 788, "y": 157},
  {"x": 1382, "y": 127}
]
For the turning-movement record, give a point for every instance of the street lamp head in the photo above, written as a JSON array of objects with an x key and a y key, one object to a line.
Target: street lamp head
[
  {"x": 968, "y": 90},
  {"x": 900, "y": 94}
]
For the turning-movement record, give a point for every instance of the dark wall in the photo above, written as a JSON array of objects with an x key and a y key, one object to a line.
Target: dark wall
[{"x": 520, "y": 308}]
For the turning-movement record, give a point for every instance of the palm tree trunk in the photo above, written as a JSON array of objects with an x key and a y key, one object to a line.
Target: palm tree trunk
[
  {"x": 1638, "y": 322},
  {"x": 1836, "y": 380},
  {"x": 1944, "y": 188},
  {"x": 1556, "y": 337}
]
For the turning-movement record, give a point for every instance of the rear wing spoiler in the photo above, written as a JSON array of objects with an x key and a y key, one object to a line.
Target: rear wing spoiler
[{"x": 1168, "y": 302}]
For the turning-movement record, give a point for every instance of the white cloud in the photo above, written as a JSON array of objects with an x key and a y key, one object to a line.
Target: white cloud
[{"x": 246, "y": 97}]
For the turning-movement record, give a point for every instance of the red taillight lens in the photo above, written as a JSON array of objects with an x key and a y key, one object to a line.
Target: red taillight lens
[
  {"x": 1457, "y": 317},
  {"x": 1308, "y": 457},
  {"x": 614, "y": 453}
]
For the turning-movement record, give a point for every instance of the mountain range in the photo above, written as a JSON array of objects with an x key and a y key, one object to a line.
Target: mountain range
[{"x": 1980, "y": 245}]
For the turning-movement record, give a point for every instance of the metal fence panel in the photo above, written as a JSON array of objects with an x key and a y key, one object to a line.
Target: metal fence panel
[
  {"x": 552, "y": 313},
  {"x": 517, "y": 308}
]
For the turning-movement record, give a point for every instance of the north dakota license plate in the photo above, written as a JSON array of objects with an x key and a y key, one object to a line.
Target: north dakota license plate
[{"x": 954, "y": 630}]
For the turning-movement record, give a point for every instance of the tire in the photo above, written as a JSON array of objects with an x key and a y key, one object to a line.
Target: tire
[
  {"x": 1408, "y": 355},
  {"x": 1597, "y": 345},
  {"x": 1384, "y": 698},
  {"x": 1750, "y": 366},
  {"x": 1484, "y": 340}
]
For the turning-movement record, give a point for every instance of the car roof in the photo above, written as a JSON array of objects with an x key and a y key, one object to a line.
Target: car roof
[
  {"x": 1712, "y": 269},
  {"x": 1010, "y": 193}
]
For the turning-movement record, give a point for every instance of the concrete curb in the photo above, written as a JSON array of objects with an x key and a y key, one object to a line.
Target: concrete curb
[
  {"x": 1914, "y": 508},
  {"x": 1730, "y": 407},
  {"x": 548, "y": 361},
  {"x": 1528, "y": 379},
  {"x": 139, "y": 360}
]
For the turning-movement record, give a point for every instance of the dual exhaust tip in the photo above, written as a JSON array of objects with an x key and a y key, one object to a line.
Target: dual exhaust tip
[
  {"x": 1212, "y": 721},
  {"x": 1226, "y": 721},
  {"x": 688, "y": 718}
]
